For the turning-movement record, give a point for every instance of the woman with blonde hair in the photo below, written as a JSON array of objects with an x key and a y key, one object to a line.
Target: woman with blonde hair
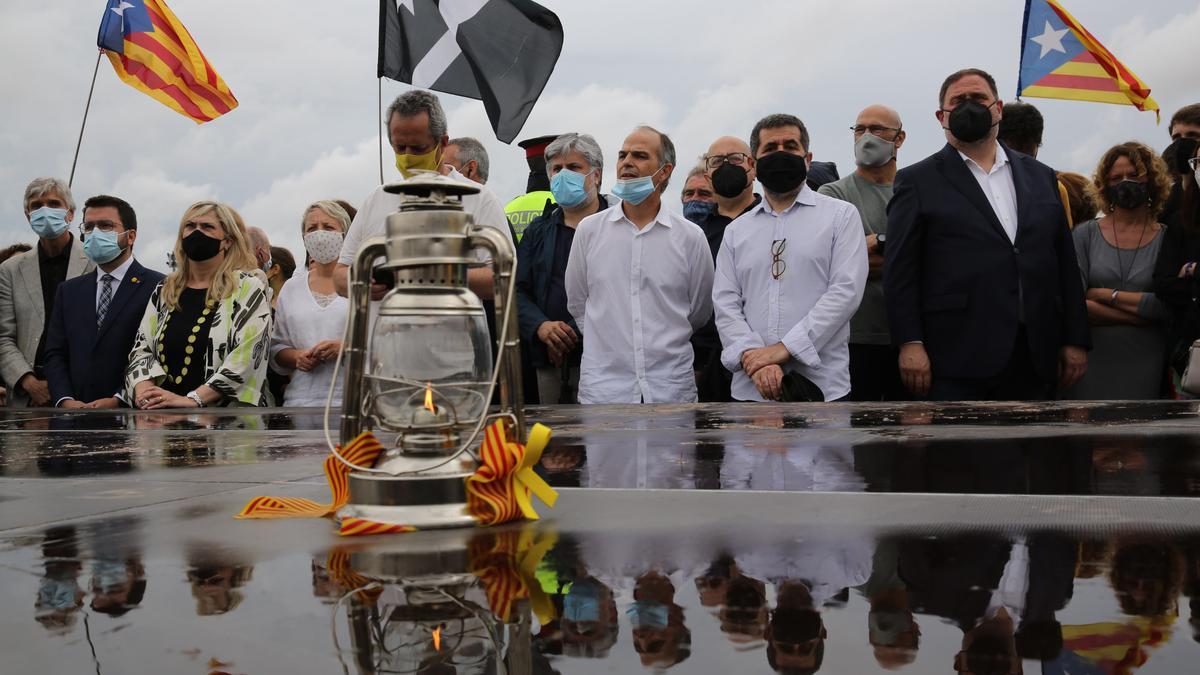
[
  {"x": 204, "y": 337},
  {"x": 1116, "y": 255},
  {"x": 310, "y": 316}
]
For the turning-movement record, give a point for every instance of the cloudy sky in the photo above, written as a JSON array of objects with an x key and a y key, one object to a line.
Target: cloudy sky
[{"x": 307, "y": 125}]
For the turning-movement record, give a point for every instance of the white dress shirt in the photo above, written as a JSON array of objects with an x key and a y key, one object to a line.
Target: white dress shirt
[
  {"x": 809, "y": 307},
  {"x": 638, "y": 295},
  {"x": 117, "y": 275},
  {"x": 483, "y": 206},
  {"x": 999, "y": 189}
]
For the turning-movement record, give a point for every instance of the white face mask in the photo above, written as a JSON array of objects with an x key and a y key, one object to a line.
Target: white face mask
[{"x": 324, "y": 246}]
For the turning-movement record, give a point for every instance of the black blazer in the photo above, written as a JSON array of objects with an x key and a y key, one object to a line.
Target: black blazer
[
  {"x": 85, "y": 362},
  {"x": 954, "y": 281}
]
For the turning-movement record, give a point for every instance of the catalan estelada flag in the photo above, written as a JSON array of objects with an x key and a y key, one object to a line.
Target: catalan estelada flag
[
  {"x": 153, "y": 53},
  {"x": 1061, "y": 59}
]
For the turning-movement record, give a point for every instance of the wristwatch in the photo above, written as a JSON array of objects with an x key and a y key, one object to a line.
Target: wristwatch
[{"x": 196, "y": 397}]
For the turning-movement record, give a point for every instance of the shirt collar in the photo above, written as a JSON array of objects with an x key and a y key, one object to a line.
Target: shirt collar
[
  {"x": 806, "y": 197},
  {"x": 119, "y": 273},
  {"x": 1001, "y": 158},
  {"x": 663, "y": 216}
]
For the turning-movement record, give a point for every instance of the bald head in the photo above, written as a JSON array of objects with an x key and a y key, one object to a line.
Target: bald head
[
  {"x": 733, "y": 192},
  {"x": 727, "y": 144},
  {"x": 880, "y": 114},
  {"x": 261, "y": 245}
]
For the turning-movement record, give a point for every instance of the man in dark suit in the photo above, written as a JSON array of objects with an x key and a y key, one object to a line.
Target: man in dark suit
[
  {"x": 96, "y": 316},
  {"x": 984, "y": 296}
]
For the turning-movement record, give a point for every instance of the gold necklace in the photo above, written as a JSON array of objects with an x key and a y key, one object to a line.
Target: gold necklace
[{"x": 191, "y": 343}]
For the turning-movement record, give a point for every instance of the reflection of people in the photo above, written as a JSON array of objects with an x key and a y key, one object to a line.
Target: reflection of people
[
  {"x": 796, "y": 634},
  {"x": 659, "y": 634},
  {"x": 117, "y": 585},
  {"x": 215, "y": 582},
  {"x": 892, "y": 630},
  {"x": 59, "y": 596},
  {"x": 589, "y": 619}
]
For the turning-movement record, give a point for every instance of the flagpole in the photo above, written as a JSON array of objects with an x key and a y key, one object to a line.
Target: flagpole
[
  {"x": 379, "y": 107},
  {"x": 82, "y": 125}
]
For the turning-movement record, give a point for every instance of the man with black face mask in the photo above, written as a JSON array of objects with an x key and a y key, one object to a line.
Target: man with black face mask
[
  {"x": 790, "y": 274},
  {"x": 1185, "y": 135},
  {"x": 878, "y": 135},
  {"x": 983, "y": 290},
  {"x": 730, "y": 168}
]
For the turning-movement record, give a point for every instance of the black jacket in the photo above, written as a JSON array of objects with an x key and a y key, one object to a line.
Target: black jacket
[
  {"x": 85, "y": 362},
  {"x": 955, "y": 281}
]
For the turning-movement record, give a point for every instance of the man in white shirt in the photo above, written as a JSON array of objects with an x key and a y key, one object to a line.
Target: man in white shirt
[
  {"x": 639, "y": 283},
  {"x": 418, "y": 134},
  {"x": 789, "y": 276}
]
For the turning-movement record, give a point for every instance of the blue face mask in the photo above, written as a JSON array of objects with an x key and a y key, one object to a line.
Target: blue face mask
[
  {"x": 648, "y": 614},
  {"x": 635, "y": 190},
  {"x": 48, "y": 223},
  {"x": 568, "y": 189},
  {"x": 57, "y": 594},
  {"x": 102, "y": 247},
  {"x": 109, "y": 574},
  {"x": 698, "y": 211},
  {"x": 581, "y": 604}
]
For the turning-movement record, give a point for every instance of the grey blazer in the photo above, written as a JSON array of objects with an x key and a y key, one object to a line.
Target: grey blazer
[{"x": 23, "y": 314}]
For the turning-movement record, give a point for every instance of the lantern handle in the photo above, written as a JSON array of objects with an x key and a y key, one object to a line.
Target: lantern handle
[{"x": 508, "y": 339}]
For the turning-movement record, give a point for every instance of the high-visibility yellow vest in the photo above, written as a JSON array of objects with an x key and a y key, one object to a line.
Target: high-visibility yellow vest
[{"x": 522, "y": 210}]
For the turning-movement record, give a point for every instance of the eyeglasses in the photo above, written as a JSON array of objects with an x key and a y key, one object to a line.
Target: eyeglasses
[
  {"x": 103, "y": 225},
  {"x": 1194, "y": 163},
  {"x": 778, "y": 264},
  {"x": 734, "y": 158},
  {"x": 874, "y": 130}
]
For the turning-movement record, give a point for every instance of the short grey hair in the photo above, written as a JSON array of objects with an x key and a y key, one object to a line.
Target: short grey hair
[
  {"x": 415, "y": 102},
  {"x": 776, "y": 121},
  {"x": 332, "y": 209},
  {"x": 666, "y": 151},
  {"x": 698, "y": 170},
  {"x": 471, "y": 149},
  {"x": 40, "y": 187},
  {"x": 584, "y": 144}
]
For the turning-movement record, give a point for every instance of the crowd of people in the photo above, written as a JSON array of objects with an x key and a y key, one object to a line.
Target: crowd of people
[{"x": 977, "y": 273}]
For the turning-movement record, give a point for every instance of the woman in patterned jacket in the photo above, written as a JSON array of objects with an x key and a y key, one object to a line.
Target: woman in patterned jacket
[{"x": 204, "y": 338}]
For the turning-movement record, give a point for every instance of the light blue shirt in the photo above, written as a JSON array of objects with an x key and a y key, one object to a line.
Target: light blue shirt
[{"x": 809, "y": 307}]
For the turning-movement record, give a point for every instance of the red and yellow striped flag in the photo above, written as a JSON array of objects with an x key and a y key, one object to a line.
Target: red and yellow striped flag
[
  {"x": 1061, "y": 59},
  {"x": 153, "y": 53}
]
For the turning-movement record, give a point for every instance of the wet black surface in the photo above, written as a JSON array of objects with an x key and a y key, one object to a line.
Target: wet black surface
[{"x": 119, "y": 554}]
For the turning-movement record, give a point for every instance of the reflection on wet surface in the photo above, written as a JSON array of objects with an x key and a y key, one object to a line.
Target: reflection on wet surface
[
  {"x": 118, "y": 553},
  {"x": 104, "y": 595}
]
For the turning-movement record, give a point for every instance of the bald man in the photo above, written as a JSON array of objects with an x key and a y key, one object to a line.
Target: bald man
[
  {"x": 878, "y": 135},
  {"x": 730, "y": 169}
]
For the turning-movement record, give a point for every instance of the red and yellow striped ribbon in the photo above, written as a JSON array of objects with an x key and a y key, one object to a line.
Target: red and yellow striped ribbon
[
  {"x": 498, "y": 491},
  {"x": 362, "y": 451},
  {"x": 507, "y": 563}
]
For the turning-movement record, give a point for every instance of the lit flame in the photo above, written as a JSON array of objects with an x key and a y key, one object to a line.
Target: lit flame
[
  {"x": 429, "y": 398},
  {"x": 437, "y": 638}
]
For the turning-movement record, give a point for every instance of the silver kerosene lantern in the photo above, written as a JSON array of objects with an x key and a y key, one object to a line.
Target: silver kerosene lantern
[{"x": 424, "y": 371}]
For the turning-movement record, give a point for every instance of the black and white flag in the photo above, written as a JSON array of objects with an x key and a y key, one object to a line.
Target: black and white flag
[{"x": 498, "y": 51}]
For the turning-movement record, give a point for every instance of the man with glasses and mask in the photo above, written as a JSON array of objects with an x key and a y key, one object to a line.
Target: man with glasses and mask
[
  {"x": 984, "y": 295},
  {"x": 96, "y": 316},
  {"x": 28, "y": 284},
  {"x": 878, "y": 135},
  {"x": 790, "y": 274},
  {"x": 417, "y": 131},
  {"x": 639, "y": 283}
]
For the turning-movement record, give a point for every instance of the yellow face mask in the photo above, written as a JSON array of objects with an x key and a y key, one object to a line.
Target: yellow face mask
[{"x": 427, "y": 162}]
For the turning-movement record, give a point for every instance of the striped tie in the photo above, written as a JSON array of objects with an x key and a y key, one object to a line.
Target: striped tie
[{"x": 105, "y": 298}]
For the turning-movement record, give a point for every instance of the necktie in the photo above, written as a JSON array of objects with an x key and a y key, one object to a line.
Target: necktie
[{"x": 105, "y": 298}]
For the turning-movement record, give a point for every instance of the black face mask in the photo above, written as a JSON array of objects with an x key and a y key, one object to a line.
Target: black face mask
[
  {"x": 971, "y": 121},
  {"x": 1128, "y": 194},
  {"x": 1178, "y": 153},
  {"x": 782, "y": 172},
  {"x": 729, "y": 181},
  {"x": 199, "y": 247}
]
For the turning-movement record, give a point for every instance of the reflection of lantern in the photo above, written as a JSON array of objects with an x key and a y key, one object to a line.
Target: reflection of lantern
[
  {"x": 425, "y": 371},
  {"x": 422, "y": 611}
]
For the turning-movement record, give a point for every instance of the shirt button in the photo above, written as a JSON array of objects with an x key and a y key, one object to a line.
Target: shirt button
[{"x": 1016, "y": 251}]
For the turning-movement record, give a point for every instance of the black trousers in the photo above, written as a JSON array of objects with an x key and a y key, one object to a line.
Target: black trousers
[
  {"x": 1018, "y": 381},
  {"x": 875, "y": 374}
]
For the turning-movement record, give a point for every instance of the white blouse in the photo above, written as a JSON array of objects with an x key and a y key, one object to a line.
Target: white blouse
[{"x": 300, "y": 323}]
